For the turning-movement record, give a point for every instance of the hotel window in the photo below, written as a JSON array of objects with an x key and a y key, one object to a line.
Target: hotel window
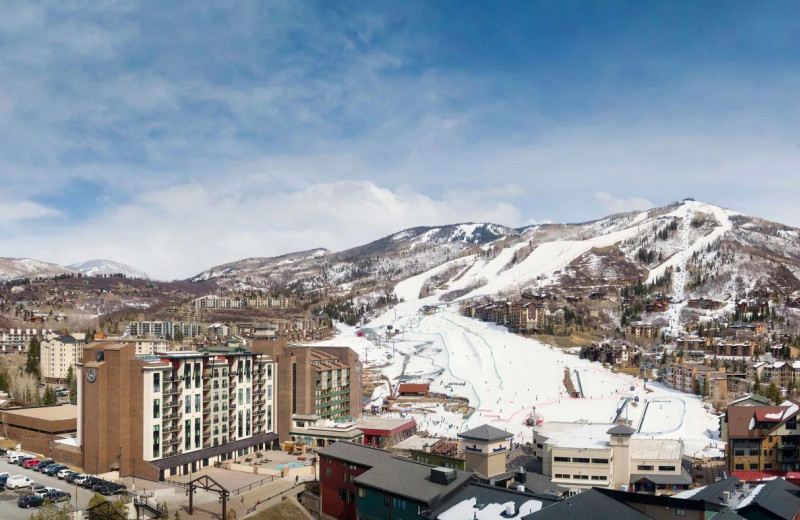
[
  {"x": 247, "y": 369},
  {"x": 197, "y": 433},
  {"x": 269, "y": 372},
  {"x": 156, "y": 382},
  {"x": 247, "y": 396},
  {"x": 156, "y": 408},
  {"x": 247, "y": 423},
  {"x": 645, "y": 468},
  {"x": 666, "y": 468},
  {"x": 188, "y": 405},
  {"x": 197, "y": 403},
  {"x": 156, "y": 440},
  {"x": 240, "y": 396},
  {"x": 197, "y": 380},
  {"x": 187, "y": 376},
  {"x": 269, "y": 392},
  {"x": 188, "y": 434}
]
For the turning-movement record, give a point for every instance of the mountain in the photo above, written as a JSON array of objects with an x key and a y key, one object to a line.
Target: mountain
[
  {"x": 16, "y": 268},
  {"x": 100, "y": 267},
  {"x": 685, "y": 249}
]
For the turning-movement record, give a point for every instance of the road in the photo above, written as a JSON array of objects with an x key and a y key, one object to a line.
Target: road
[{"x": 8, "y": 498}]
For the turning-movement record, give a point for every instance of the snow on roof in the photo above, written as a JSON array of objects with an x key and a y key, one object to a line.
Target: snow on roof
[
  {"x": 469, "y": 509},
  {"x": 576, "y": 435},
  {"x": 751, "y": 496},
  {"x": 656, "y": 449}
]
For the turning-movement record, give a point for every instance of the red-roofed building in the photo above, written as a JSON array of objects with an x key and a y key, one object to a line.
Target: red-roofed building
[
  {"x": 385, "y": 433},
  {"x": 413, "y": 389},
  {"x": 762, "y": 438}
]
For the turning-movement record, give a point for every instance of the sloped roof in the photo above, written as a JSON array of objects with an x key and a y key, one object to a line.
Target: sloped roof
[
  {"x": 621, "y": 429},
  {"x": 355, "y": 454},
  {"x": 778, "y": 497},
  {"x": 589, "y": 504},
  {"x": 410, "y": 479},
  {"x": 485, "y": 433},
  {"x": 740, "y": 418},
  {"x": 713, "y": 492}
]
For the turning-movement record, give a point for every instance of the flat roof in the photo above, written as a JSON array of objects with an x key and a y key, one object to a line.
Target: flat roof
[
  {"x": 50, "y": 413},
  {"x": 655, "y": 449},
  {"x": 382, "y": 423},
  {"x": 576, "y": 435}
]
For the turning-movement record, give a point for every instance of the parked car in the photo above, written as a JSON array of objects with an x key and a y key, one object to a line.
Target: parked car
[
  {"x": 91, "y": 481},
  {"x": 18, "y": 482},
  {"x": 81, "y": 480},
  {"x": 111, "y": 488},
  {"x": 14, "y": 459},
  {"x": 63, "y": 473},
  {"x": 69, "y": 476},
  {"x": 21, "y": 460},
  {"x": 101, "y": 483},
  {"x": 29, "y": 463},
  {"x": 43, "y": 464},
  {"x": 5, "y": 474},
  {"x": 35, "y": 489},
  {"x": 57, "y": 495},
  {"x": 53, "y": 469},
  {"x": 28, "y": 501},
  {"x": 3, "y": 480}
]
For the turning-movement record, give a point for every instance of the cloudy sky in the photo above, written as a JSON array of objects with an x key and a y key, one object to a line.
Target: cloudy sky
[{"x": 176, "y": 137}]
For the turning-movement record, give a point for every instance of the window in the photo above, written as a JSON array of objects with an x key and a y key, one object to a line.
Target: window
[
  {"x": 562, "y": 475},
  {"x": 188, "y": 434},
  {"x": 269, "y": 392},
  {"x": 580, "y": 477},
  {"x": 739, "y": 466},
  {"x": 247, "y": 423},
  {"x": 269, "y": 372},
  {"x": 328, "y": 472},
  {"x": 240, "y": 396},
  {"x": 156, "y": 382},
  {"x": 342, "y": 494},
  {"x": 197, "y": 433},
  {"x": 188, "y": 404},
  {"x": 599, "y": 477},
  {"x": 156, "y": 439},
  {"x": 666, "y": 468},
  {"x": 753, "y": 466},
  {"x": 362, "y": 492},
  {"x": 580, "y": 460},
  {"x": 738, "y": 453},
  {"x": 599, "y": 461},
  {"x": 562, "y": 459},
  {"x": 247, "y": 396},
  {"x": 187, "y": 375},
  {"x": 156, "y": 408},
  {"x": 645, "y": 468},
  {"x": 197, "y": 403},
  {"x": 680, "y": 512},
  {"x": 399, "y": 504}
]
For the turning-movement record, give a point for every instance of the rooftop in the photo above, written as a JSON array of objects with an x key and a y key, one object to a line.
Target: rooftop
[
  {"x": 656, "y": 449},
  {"x": 489, "y": 503},
  {"x": 410, "y": 479},
  {"x": 50, "y": 413},
  {"x": 485, "y": 433},
  {"x": 355, "y": 453},
  {"x": 589, "y": 504}
]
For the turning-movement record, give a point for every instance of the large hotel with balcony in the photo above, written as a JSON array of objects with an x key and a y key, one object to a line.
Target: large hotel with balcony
[{"x": 172, "y": 413}]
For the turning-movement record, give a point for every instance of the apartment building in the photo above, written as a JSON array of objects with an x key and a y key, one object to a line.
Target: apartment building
[
  {"x": 694, "y": 377},
  {"x": 216, "y": 302},
  {"x": 174, "y": 412},
  {"x": 761, "y": 437},
  {"x": 162, "y": 329},
  {"x": 17, "y": 340},
  {"x": 320, "y": 381},
  {"x": 58, "y": 352},
  {"x": 144, "y": 346},
  {"x": 583, "y": 455}
]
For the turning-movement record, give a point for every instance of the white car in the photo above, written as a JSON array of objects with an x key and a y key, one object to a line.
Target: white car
[
  {"x": 80, "y": 479},
  {"x": 63, "y": 473},
  {"x": 14, "y": 459},
  {"x": 18, "y": 481}
]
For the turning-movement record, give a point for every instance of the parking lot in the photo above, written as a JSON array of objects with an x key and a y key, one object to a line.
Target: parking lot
[{"x": 8, "y": 498}]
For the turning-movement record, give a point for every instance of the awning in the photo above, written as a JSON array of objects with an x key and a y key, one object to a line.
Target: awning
[{"x": 192, "y": 456}]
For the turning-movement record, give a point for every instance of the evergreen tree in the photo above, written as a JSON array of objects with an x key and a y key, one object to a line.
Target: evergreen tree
[
  {"x": 774, "y": 393},
  {"x": 705, "y": 387},
  {"x": 5, "y": 378},
  {"x": 34, "y": 355},
  {"x": 757, "y": 384},
  {"x": 49, "y": 397},
  {"x": 73, "y": 391}
]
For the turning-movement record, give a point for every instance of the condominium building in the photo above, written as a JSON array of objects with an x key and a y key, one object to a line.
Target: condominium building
[
  {"x": 162, "y": 329},
  {"x": 583, "y": 455},
  {"x": 144, "y": 346},
  {"x": 17, "y": 340},
  {"x": 761, "y": 438},
  {"x": 58, "y": 352},
  {"x": 320, "y": 381},
  {"x": 174, "y": 412}
]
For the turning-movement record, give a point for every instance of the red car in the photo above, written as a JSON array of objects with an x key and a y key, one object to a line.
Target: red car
[{"x": 30, "y": 463}]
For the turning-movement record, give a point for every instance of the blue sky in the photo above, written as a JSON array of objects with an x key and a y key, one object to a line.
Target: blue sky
[{"x": 175, "y": 137}]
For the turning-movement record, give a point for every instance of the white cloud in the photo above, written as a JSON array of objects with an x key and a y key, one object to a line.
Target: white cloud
[
  {"x": 180, "y": 231},
  {"x": 24, "y": 210},
  {"x": 612, "y": 204}
]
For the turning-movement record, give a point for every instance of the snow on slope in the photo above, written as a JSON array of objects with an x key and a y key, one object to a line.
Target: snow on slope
[
  {"x": 544, "y": 260},
  {"x": 101, "y": 267},
  {"x": 506, "y": 377},
  {"x": 16, "y": 268},
  {"x": 685, "y": 211}
]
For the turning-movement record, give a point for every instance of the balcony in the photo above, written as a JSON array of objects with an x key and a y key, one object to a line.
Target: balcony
[
  {"x": 173, "y": 416},
  {"x": 207, "y": 387},
  {"x": 171, "y": 429},
  {"x": 206, "y": 410},
  {"x": 206, "y": 445},
  {"x": 172, "y": 404},
  {"x": 232, "y": 418},
  {"x": 172, "y": 441},
  {"x": 233, "y": 406},
  {"x": 259, "y": 412},
  {"x": 171, "y": 390},
  {"x": 173, "y": 453},
  {"x": 206, "y": 434},
  {"x": 233, "y": 383}
]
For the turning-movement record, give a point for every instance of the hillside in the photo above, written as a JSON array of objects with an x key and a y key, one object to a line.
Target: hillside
[{"x": 721, "y": 254}]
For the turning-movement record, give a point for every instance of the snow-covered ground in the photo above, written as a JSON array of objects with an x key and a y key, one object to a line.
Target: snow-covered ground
[{"x": 506, "y": 376}]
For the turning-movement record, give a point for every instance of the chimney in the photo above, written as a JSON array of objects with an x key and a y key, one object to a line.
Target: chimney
[
  {"x": 520, "y": 475},
  {"x": 510, "y": 509}
]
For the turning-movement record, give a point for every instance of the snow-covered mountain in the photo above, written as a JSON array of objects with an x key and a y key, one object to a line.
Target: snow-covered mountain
[
  {"x": 99, "y": 267},
  {"x": 719, "y": 254},
  {"x": 16, "y": 268}
]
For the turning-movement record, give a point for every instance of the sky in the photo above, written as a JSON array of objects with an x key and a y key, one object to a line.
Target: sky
[{"x": 178, "y": 136}]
